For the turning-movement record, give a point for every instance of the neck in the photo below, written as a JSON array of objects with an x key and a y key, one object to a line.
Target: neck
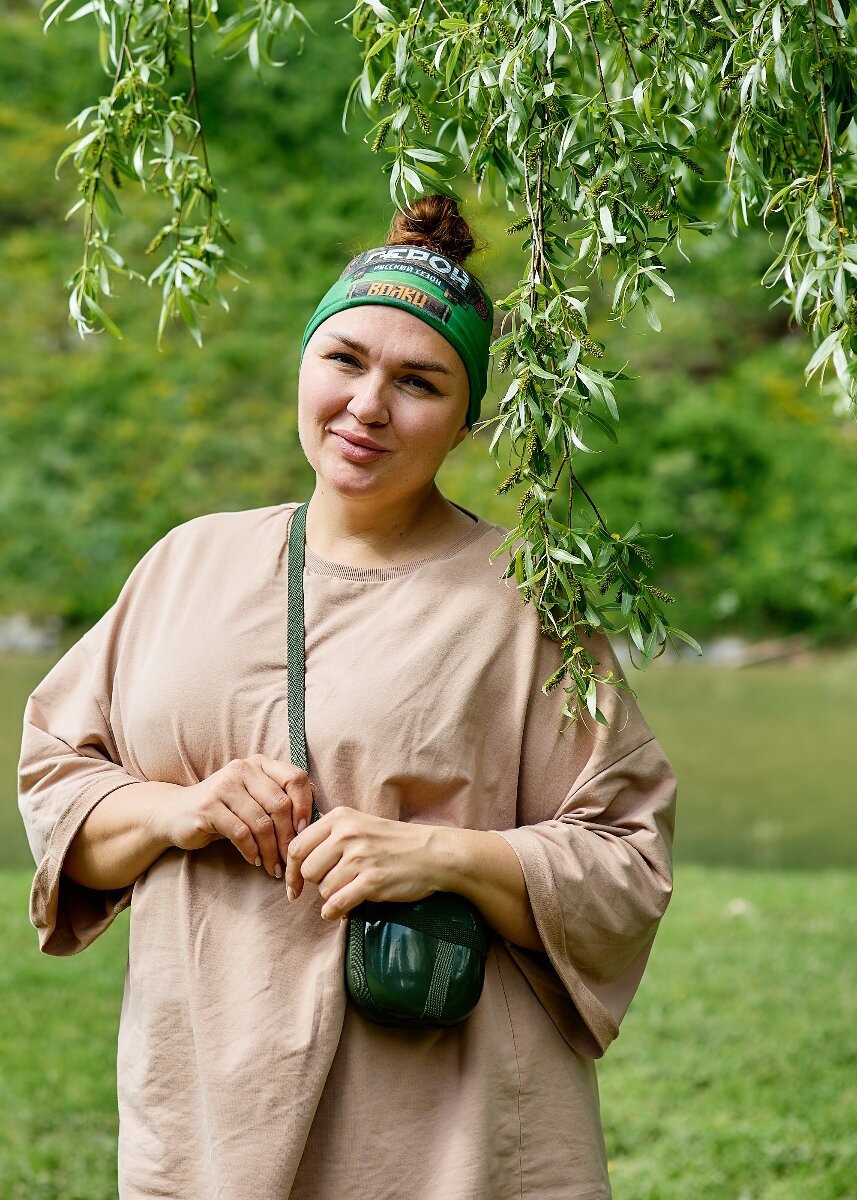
[{"x": 368, "y": 531}]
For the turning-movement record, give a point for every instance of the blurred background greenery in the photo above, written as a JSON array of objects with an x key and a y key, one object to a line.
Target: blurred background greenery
[
  {"x": 108, "y": 444},
  {"x": 735, "y": 1080}
]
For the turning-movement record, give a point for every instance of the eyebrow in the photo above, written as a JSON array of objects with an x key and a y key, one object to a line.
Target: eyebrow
[{"x": 410, "y": 365}]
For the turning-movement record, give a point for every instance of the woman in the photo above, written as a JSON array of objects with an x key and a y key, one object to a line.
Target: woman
[{"x": 156, "y": 771}]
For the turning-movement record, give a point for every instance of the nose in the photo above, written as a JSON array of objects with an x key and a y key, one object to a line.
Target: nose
[{"x": 368, "y": 402}]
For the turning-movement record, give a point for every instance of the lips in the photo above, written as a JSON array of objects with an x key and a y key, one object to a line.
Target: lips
[{"x": 357, "y": 440}]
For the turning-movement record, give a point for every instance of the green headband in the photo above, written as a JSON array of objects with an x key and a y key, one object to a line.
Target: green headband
[{"x": 433, "y": 288}]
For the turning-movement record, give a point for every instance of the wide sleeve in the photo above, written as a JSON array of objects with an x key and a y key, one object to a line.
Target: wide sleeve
[
  {"x": 594, "y": 839},
  {"x": 69, "y": 762}
]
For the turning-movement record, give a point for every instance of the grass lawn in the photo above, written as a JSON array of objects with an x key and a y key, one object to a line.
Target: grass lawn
[
  {"x": 735, "y": 1073},
  {"x": 734, "y": 1078}
]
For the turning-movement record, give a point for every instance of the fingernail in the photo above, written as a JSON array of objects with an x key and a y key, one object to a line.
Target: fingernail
[
  {"x": 258, "y": 861},
  {"x": 278, "y": 871},
  {"x": 290, "y": 893},
  {"x": 301, "y": 825}
]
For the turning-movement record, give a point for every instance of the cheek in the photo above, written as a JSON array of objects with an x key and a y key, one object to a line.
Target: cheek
[
  {"x": 317, "y": 399},
  {"x": 428, "y": 433},
  {"x": 311, "y": 417}
]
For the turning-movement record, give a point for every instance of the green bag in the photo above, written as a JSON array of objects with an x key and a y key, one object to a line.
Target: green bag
[{"x": 417, "y": 964}]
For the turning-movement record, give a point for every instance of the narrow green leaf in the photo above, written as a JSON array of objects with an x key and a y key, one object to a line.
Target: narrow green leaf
[
  {"x": 685, "y": 637},
  {"x": 99, "y": 312}
]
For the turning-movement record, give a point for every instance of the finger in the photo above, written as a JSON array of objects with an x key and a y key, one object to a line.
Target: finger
[
  {"x": 260, "y": 824},
  {"x": 301, "y": 815},
  {"x": 319, "y": 862},
  {"x": 276, "y": 803},
  {"x": 346, "y": 898},
  {"x": 292, "y": 780},
  {"x": 237, "y": 795},
  {"x": 336, "y": 878},
  {"x": 300, "y": 847},
  {"x": 230, "y": 826}
]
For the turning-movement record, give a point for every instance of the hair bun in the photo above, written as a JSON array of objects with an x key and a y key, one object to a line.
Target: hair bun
[{"x": 435, "y": 222}]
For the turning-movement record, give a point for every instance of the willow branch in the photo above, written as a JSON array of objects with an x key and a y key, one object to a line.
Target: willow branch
[
  {"x": 199, "y": 135},
  {"x": 828, "y": 141},
  {"x": 102, "y": 146},
  {"x": 625, "y": 45},
  {"x": 194, "y": 94},
  {"x": 563, "y": 461},
  {"x": 575, "y": 479},
  {"x": 597, "y": 57}
]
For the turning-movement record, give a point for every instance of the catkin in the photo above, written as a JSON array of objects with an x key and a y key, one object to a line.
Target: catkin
[
  {"x": 509, "y": 482},
  {"x": 381, "y": 135},
  {"x": 689, "y": 162},
  {"x": 592, "y": 348},
  {"x": 712, "y": 43},
  {"x": 426, "y": 65},
  {"x": 609, "y": 576},
  {"x": 643, "y": 554},
  {"x": 661, "y": 595},
  {"x": 158, "y": 238},
  {"x": 555, "y": 679},
  {"x": 651, "y": 179},
  {"x": 385, "y": 85},
  {"x": 507, "y": 36},
  {"x": 422, "y": 117}
]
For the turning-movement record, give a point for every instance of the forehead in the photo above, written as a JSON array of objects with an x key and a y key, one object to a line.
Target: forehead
[{"x": 390, "y": 333}]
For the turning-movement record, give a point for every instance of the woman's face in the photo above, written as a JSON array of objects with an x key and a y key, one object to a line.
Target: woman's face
[{"x": 379, "y": 374}]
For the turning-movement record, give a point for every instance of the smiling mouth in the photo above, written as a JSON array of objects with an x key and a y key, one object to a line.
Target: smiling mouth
[
  {"x": 359, "y": 445},
  {"x": 355, "y": 453}
]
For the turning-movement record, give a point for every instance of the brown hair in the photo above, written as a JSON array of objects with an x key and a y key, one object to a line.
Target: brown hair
[{"x": 435, "y": 222}]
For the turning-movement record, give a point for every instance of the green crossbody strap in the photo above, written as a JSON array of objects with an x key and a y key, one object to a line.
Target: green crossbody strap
[
  {"x": 449, "y": 934},
  {"x": 295, "y": 636}
]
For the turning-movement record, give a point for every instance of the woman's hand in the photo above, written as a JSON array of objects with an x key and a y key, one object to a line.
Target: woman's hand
[
  {"x": 258, "y": 803},
  {"x": 355, "y": 856}
]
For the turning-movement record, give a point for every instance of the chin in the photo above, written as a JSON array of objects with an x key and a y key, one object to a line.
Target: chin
[{"x": 351, "y": 481}]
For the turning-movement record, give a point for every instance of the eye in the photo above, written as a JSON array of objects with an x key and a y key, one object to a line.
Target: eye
[{"x": 423, "y": 384}]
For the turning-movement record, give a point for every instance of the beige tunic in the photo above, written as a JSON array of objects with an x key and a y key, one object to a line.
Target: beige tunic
[{"x": 243, "y": 1074}]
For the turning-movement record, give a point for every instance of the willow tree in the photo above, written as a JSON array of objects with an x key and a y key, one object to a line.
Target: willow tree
[{"x": 584, "y": 117}]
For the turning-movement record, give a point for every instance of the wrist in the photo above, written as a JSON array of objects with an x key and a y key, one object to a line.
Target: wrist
[
  {"x": 448, "y": 849},
  {"x": 161, "y": 806}
]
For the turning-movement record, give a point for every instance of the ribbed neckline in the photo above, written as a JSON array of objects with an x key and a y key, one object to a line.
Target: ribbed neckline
[{"x": 323, "y": 566}]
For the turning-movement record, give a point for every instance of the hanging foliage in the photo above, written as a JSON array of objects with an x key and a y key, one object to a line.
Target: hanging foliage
[{"x": 584, "y": 117}]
